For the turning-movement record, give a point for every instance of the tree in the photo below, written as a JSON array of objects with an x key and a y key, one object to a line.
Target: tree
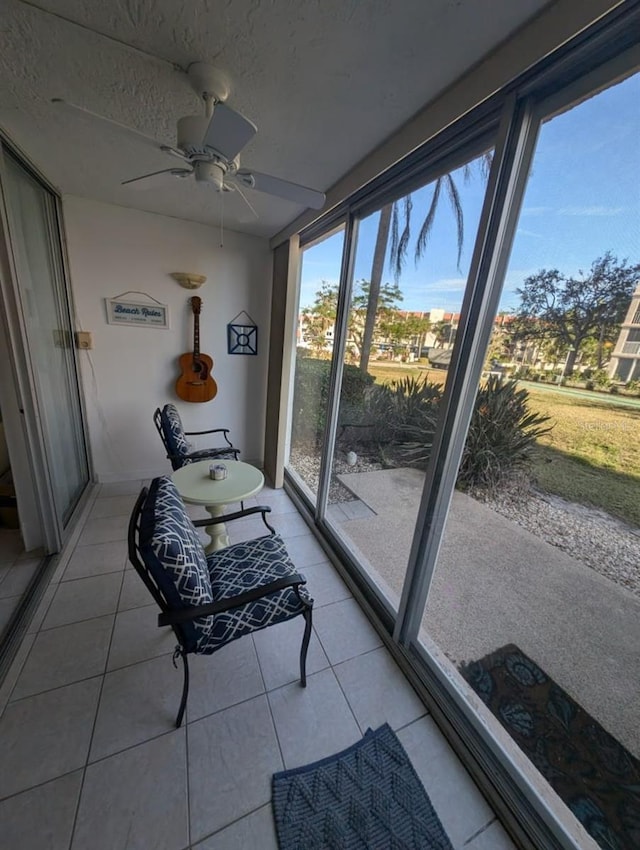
[
  {"x": 554, "y": 306},
  {"x": 400, "y": 239},
  {"x": 403, "y": 330},
  {"x": 389, "y": 223},
  {"x": 444, "y": 334},
  {"x": 361, "y": 324},
  {"x": 321, "y": 316},
  {"x": 377, "y": 269}
]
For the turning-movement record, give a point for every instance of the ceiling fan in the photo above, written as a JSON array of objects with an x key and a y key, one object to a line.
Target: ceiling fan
[{"x": 209, "y": 145}]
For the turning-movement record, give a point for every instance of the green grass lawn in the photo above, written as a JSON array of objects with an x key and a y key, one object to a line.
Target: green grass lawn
[
  {"x": 592, "y": 454},
  {"x": 384, "y": 373}
]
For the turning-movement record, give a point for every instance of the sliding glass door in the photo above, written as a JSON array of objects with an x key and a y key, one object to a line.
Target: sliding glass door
[
  {"x": 409, "y": 275},
  {"x": 48, "y": 335},
  {"x": 320, "y": 265}
]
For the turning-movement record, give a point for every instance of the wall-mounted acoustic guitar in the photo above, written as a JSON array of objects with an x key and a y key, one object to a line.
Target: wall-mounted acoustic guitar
[{"x": 195, "y": 383}]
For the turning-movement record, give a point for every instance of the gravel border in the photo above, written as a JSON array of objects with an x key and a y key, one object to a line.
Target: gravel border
[{"x": 604, "y": 543}]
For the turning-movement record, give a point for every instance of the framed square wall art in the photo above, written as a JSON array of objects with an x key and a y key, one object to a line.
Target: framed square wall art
[{"x": 242, "y": 336}]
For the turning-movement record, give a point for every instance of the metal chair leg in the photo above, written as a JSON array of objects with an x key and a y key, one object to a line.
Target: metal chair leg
[
  {"x": 185, "y": 691},
  {"x": 305, "y": 646}
]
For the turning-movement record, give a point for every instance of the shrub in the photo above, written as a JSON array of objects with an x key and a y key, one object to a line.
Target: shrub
[
  {"x": 601, "y": 379},
  {"x": 403, "y": 415},
  {"x": 589, "y": 385},
  {"x": 613, "y": 389},
  {"x": 311, "y": 393},
  {"x": 502, "y": 432}
]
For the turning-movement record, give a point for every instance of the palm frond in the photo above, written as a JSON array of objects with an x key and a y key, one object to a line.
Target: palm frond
[
  {"x": 403, "y": 242},
  {"x": 454, "y": 197},
  {"x": 427, "y": 224},
  {"x": 395, "y": 238},
  {"x": 486, "y": 161}
]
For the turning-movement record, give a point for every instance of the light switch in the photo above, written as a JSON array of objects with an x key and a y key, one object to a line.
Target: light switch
[{"x": 84, "y": 339}]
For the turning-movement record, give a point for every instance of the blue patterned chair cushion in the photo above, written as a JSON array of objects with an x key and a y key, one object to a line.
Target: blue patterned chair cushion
[
  {"x": 205, "y": 454},
  {"x": 173, "y": 430},
  {"x": 178, "y": 445},
  {"x": 240, "y": 568},
  {"x": 173, "y": 553}
]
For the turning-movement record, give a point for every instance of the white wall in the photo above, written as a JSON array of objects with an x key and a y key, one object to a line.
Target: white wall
[{"x": 132, "y": 370}]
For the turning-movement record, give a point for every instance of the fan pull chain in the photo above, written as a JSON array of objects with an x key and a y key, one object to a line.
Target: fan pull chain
[{"x": 222, "y": 218}]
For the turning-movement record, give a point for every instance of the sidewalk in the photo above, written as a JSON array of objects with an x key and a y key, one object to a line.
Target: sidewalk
[{"x": 496, "y": 583}]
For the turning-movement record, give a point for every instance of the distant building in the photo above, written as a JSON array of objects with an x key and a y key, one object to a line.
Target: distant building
[{"x": 625, "y": 360}]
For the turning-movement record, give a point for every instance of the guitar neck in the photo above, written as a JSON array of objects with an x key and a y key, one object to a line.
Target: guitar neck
[{"x": 196, "y": 337}]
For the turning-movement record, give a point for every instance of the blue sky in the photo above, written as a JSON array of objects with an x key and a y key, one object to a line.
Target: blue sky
[{"x": 582, "y": 199}]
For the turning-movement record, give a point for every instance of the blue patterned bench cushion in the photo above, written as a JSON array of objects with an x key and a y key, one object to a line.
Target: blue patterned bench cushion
[
  {"x": 173, "y": 553},
  {"x": 242, "y": 567},
  {"x": 173, "y": 430}
]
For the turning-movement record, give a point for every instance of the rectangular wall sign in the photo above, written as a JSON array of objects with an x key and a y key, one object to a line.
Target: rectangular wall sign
[{"x": 137, "y": 313}]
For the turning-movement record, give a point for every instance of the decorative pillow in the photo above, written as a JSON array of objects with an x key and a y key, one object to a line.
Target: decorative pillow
[
  {"x": 173, "y": 430},
  {"x": 173, "y": 553}
]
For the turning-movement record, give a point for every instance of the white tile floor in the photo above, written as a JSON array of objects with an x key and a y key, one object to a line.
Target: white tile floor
[
  {"x": 17, "y": 568},
  {"x": 91, "y": 760}
]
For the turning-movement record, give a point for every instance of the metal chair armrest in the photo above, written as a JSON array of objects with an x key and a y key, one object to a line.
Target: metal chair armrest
[
  {"x": 259, "y": 509},
  {"x": 186, "y": 615},
  {"x": 223, "y": 431}
]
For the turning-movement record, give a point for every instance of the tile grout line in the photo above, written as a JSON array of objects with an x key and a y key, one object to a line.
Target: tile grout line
[
  {"x": 95, "y": 720},
  {"x": 95, "y": 675},
  {"x": 235, "y": 821},
  {"x": 346, "y": 698},
  {"x": 266, "y": 693},
  {"x": 187, "y": 762}
]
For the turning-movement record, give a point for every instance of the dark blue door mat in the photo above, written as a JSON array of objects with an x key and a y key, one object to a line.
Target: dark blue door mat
[
  {"x": 368, "y": 797},
  {"x": 598, "y": 779}
]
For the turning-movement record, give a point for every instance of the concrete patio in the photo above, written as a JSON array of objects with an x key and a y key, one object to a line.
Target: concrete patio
[{"x": 496, "y": 583}]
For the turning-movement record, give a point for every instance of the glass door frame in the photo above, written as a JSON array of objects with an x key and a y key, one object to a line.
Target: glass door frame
[{"x": 54, "y": 530}]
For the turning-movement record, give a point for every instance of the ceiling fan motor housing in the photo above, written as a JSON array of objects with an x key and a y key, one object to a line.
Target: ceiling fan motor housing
[{"x": 191, "y": 130}]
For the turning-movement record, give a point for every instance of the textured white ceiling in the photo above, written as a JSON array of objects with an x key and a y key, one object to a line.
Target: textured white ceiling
[{"x": 324, "y": 80}]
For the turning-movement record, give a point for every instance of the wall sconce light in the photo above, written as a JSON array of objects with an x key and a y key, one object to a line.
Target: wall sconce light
[{"x": 188, "y": 280}]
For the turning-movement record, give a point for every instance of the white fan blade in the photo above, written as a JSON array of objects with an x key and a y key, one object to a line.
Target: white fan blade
[
  {"x": 282, "y": 189},
  {"x": 129, "y": 131},
  {"x": 228, "y": 131},
  {"x": 248, "y": 214},
  {"x": 177, "y": 172}
]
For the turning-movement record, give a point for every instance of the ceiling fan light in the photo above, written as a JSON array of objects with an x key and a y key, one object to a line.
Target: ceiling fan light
[{"x": 210, "y": 172}]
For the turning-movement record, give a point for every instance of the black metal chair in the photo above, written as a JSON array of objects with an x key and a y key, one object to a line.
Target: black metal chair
[
  {"x": 174, "y": 439},
  {"x": 210, "y": 600}
]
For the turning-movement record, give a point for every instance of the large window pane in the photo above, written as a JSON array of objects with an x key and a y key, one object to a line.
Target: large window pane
[
  {"x": 410, "y": 272},
  {"x": 319, "y": 280},
  {"x": 536, "y": 593}
]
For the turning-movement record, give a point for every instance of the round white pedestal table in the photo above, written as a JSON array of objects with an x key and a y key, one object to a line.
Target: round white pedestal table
[{"x": 197, "y": 488}]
